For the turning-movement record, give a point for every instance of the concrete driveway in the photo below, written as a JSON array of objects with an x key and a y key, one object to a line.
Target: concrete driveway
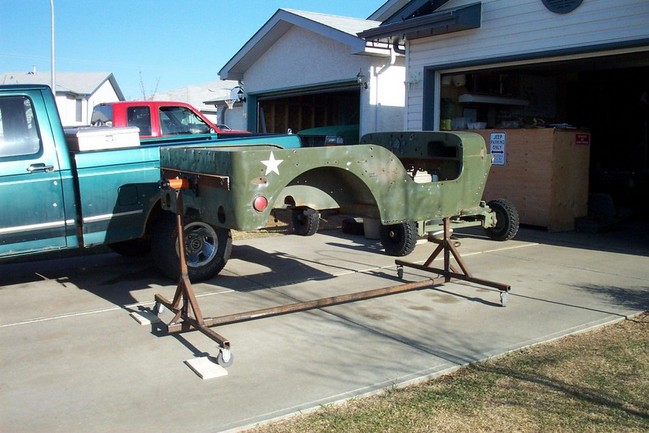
[{"x": 74, "y": 360}]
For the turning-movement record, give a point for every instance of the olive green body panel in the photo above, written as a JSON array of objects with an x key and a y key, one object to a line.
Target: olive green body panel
[{"x": 373, "y": 179}]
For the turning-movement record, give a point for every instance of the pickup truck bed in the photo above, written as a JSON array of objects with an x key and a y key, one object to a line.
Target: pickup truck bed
[{"x": 118, "y": 190}]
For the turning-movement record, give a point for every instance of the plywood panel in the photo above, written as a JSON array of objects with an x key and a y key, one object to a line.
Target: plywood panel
[{"x": 545, "y": 176}]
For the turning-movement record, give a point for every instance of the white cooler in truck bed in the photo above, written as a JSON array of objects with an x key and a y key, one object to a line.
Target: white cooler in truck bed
[{"x": 101, "y": 137}]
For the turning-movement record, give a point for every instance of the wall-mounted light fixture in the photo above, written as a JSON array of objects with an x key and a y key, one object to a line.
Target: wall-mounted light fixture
[
  {"x": 361, "y": 79},
  {"x": 240, "y": 95}
]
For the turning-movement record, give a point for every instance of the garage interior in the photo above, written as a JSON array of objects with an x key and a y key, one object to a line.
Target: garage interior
[
  {"x": 308, "y": 109},
  {"x": 606, "y": 95}
]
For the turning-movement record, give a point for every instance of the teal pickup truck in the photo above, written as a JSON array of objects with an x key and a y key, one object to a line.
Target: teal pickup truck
[{"x": 90, "y": 186}]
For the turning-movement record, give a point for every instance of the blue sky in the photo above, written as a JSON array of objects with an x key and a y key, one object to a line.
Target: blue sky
[{"x": 171, "y": 43}]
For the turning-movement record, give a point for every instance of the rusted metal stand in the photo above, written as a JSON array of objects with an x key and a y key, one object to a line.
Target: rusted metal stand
[
  {"x": 188, "y": 315},
  {"x": 447, "y": 246}
]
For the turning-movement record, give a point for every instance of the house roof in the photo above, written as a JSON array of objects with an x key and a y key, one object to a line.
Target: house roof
[
  {"x": 74, "y": 83},
  {"x": 338, "y": 28}
]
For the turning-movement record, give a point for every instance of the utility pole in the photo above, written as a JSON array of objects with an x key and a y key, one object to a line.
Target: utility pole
[{"x": 52, "y": 38}]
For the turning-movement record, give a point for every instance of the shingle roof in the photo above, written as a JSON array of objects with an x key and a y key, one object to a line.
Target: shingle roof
[
  {"x": 78, "y": 83},
  {"x": 351, "y": 26}
]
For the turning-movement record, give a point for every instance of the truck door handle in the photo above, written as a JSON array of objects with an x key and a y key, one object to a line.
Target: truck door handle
[{"x": 40, "y": 167}]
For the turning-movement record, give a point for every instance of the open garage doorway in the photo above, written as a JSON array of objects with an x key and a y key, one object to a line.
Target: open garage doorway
[
  {"x": 604, "y": 94},
  {"x": 299, "y": 111}
]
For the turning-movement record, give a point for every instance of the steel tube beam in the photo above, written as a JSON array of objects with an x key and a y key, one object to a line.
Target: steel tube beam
[
  {"x": 458, "y": 276},
  {"x": 317, "y": 303}
]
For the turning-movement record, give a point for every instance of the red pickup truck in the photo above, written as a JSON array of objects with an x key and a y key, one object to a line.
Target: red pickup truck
[{"x": 158, "y": 119}]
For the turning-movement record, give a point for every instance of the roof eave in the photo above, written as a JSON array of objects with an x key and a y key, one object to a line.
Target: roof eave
[
  {"x": 118, "y": 90},
  {"x": 438, "y": 23}
]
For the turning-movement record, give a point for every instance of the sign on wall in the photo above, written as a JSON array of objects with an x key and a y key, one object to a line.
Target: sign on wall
[
  {"x": 582, "y": 138},
  {"x": 497, "y": 147}
]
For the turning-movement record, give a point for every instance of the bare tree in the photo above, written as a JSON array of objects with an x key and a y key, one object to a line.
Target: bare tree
[{"x": 142, "y": 89}]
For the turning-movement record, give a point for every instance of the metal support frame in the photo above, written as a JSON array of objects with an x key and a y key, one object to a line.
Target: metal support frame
[
  {"x": 188, "y": 314},
  {"x": 447, "y": 246}
]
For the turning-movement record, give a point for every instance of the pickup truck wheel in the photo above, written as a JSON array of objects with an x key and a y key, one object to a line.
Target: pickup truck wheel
[
  {"x": 507, "y": 220},
  {"x": 207, "y": 248},
  {"x": 305, "y": 221},
  {"x": 132, "y": 248},
  {"x": 399, "y": 239}
]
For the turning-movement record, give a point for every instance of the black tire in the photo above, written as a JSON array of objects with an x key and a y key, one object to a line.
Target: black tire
[
  {"x": 507, "y": 220},
  {"x": 305, "y": 221},
  {"x": 399, "y": 239},
  {"x": 207, "y": 248},
  {"x": 132, "y": 248}
]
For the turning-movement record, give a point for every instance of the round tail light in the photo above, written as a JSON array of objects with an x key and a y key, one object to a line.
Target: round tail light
[{"x": 260, "y": 203}]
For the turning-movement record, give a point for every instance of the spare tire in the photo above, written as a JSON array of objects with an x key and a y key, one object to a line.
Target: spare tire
[
  {"x": 399, "y": 239},
  {"x": 305, "y": 221}
]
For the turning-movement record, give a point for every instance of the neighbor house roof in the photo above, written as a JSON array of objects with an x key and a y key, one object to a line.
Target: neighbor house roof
[
  {"x": 337, "y": 28},
  {"x": 74, "y": 83},
  {"x": 200, "y": 96}
]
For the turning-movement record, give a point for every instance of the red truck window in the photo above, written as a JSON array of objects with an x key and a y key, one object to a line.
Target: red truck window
[
  {"x": 140, "y": 117},
  {"x": 18, "y": 129},
  {"x": 181, "y": 120}
]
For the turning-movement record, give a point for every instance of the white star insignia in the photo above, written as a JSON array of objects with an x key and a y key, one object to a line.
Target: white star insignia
[{"x": 272, "y": 164}]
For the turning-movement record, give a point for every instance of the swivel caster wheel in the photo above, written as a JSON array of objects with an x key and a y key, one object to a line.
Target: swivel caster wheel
[
  {"x": 225, "y": 358},
  {"x": 400, "y": 272}
]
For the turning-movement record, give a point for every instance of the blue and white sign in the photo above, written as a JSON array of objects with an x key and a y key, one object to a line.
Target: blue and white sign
[{"x": 497, "y": 147}]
